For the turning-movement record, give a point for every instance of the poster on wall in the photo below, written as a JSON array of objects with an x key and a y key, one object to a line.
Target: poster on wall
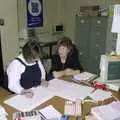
[{"x": 34, "y": 13}]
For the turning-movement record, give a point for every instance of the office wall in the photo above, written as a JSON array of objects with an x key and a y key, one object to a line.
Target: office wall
[
  {"x": 55, "y": 11},
  {"x": 73, "y": 7},
  {"x": 50, "y": 14},
  {"x": 14, "y": 15},
  {"x": 9, "y": 31}
]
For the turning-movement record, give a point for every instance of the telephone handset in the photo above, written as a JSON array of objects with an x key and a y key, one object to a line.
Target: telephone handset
[{"x": 73, "y": 108}]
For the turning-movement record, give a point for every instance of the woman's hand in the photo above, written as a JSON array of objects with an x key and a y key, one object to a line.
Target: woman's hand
[
  {"x": 58, "y": 74},
  {"x": 44, "y": 83},
  {"x": 27, "y": 92},
  {"x": 68, "y": 72},
  {"x": 71, "y": 72}
]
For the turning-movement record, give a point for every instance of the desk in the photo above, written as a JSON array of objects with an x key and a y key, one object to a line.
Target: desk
[{"x": 57, "y": 102}]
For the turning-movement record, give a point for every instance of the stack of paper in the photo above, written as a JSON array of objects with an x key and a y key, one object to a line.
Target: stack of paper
[
  {"x": 100, "y": 95},
  {"x": 3, "y": 113},
  {"x": 107, "y": 112},
  {"x": 84, "y": 76},
  {"x": 50, "y": 113}
]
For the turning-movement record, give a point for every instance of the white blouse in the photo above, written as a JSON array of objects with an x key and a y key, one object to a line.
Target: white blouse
[{"x": 14, "y": 71}]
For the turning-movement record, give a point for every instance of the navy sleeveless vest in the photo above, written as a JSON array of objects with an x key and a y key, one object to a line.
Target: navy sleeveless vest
[{"x": 31, "y": 77}]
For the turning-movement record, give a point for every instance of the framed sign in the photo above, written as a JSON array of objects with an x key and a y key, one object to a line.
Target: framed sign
[{"x": 34, "y": 13}]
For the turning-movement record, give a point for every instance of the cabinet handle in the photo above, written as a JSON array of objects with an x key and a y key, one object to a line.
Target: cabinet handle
[
  {"x": 82, "y": 21},
  {"x": 96, "y": 45},
  {"x": 98, "y": 21},
  {"x": 96, "y": 57},
  {"x": 80, "y": 53},
  {"x": 97, "y": 33},
  {"x": 101, "y": 40},
  {"x": 114, "y": 36}
]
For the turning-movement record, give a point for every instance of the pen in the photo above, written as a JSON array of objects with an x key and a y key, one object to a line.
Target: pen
[
  {"x": 94, "y": 90},
  {"x": 42, "y": 116}
]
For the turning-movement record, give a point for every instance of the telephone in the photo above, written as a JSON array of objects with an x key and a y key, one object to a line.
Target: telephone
[{"x": 73, "y": 108}]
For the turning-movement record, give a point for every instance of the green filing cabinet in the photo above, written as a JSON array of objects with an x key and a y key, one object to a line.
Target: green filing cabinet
[
  {"x": 82, "y": 36},
  {"x": 90, "y": 39}
]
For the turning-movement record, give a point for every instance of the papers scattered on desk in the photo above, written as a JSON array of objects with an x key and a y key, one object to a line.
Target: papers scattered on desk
[
  {"x": 3, "y": 113},
  {"x": 23, "y": 103},
  {"x": 90, "y": 117},
  {"x": 61, "y": 88},
  {"x": 68, "y": 90},
  {"x": 100, "y": 95},
  {"x": 107, "y": 112},
  {"x": 84, "y": 76},
  {"x": 50, "y": 113}
]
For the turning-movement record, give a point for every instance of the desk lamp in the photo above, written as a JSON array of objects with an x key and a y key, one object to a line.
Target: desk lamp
[{"x": 116, "y": 26}]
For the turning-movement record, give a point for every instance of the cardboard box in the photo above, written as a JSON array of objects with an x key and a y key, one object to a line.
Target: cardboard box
[
  {"x": 89, "y": 8},
  {"x": 89, "y": 13}
]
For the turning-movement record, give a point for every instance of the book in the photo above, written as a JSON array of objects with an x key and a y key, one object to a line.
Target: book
[
  {"x": 84, "y": 76},
  {"x": 107, "y": 112}
]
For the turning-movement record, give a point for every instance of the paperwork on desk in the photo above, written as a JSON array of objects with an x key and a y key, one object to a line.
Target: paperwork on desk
[
  {"x": 69, "y": 90},
  {"x": 61, "y": 88},
  {"x": 22, "y": 103},
  {"x": 3, "y": 113},
  {"x": 100, "y": 95},
  {"x": 84, "y": 76},
  {"x": 107, "y": 112},
  {"x": 50, "y": 113}
]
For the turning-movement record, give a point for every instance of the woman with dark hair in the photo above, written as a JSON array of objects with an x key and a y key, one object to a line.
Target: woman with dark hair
[
  {"x": 26, "y": 70},
  {"x": 65, "y": 62}
]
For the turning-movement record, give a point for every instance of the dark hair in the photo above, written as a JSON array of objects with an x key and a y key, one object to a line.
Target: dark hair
[
  {"x": 65, "y": 41},
  {"x": 31, "y": 50}
]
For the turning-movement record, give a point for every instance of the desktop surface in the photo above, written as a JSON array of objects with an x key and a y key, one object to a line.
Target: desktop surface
[{"x": 57, "y": 102}]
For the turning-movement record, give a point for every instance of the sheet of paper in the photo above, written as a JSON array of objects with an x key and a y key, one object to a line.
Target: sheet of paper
[
  {"x": 116, "y": 105},
  {"x": 61, "y": 88},
  {"x": 84, "y": 76},
  {"x": 90, "y": 117},
  {"x": 23, "y": 104},
  {"x": 50, "y": 112},
  {"x": 3, "y": 118},
  {"x": 116, "y": 19},
  {"x": 69, "y": 90},
  {"x": 100, "y": 95},
  {"x": 3, "y": 113},
  {"x": 106, "y": 112}
]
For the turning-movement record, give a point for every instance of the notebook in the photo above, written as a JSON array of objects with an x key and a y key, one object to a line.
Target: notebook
[{"x": 84, "y": 76}]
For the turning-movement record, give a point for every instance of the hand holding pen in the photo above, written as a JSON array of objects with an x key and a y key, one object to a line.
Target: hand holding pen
[{"x": 27, "y": 92}]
